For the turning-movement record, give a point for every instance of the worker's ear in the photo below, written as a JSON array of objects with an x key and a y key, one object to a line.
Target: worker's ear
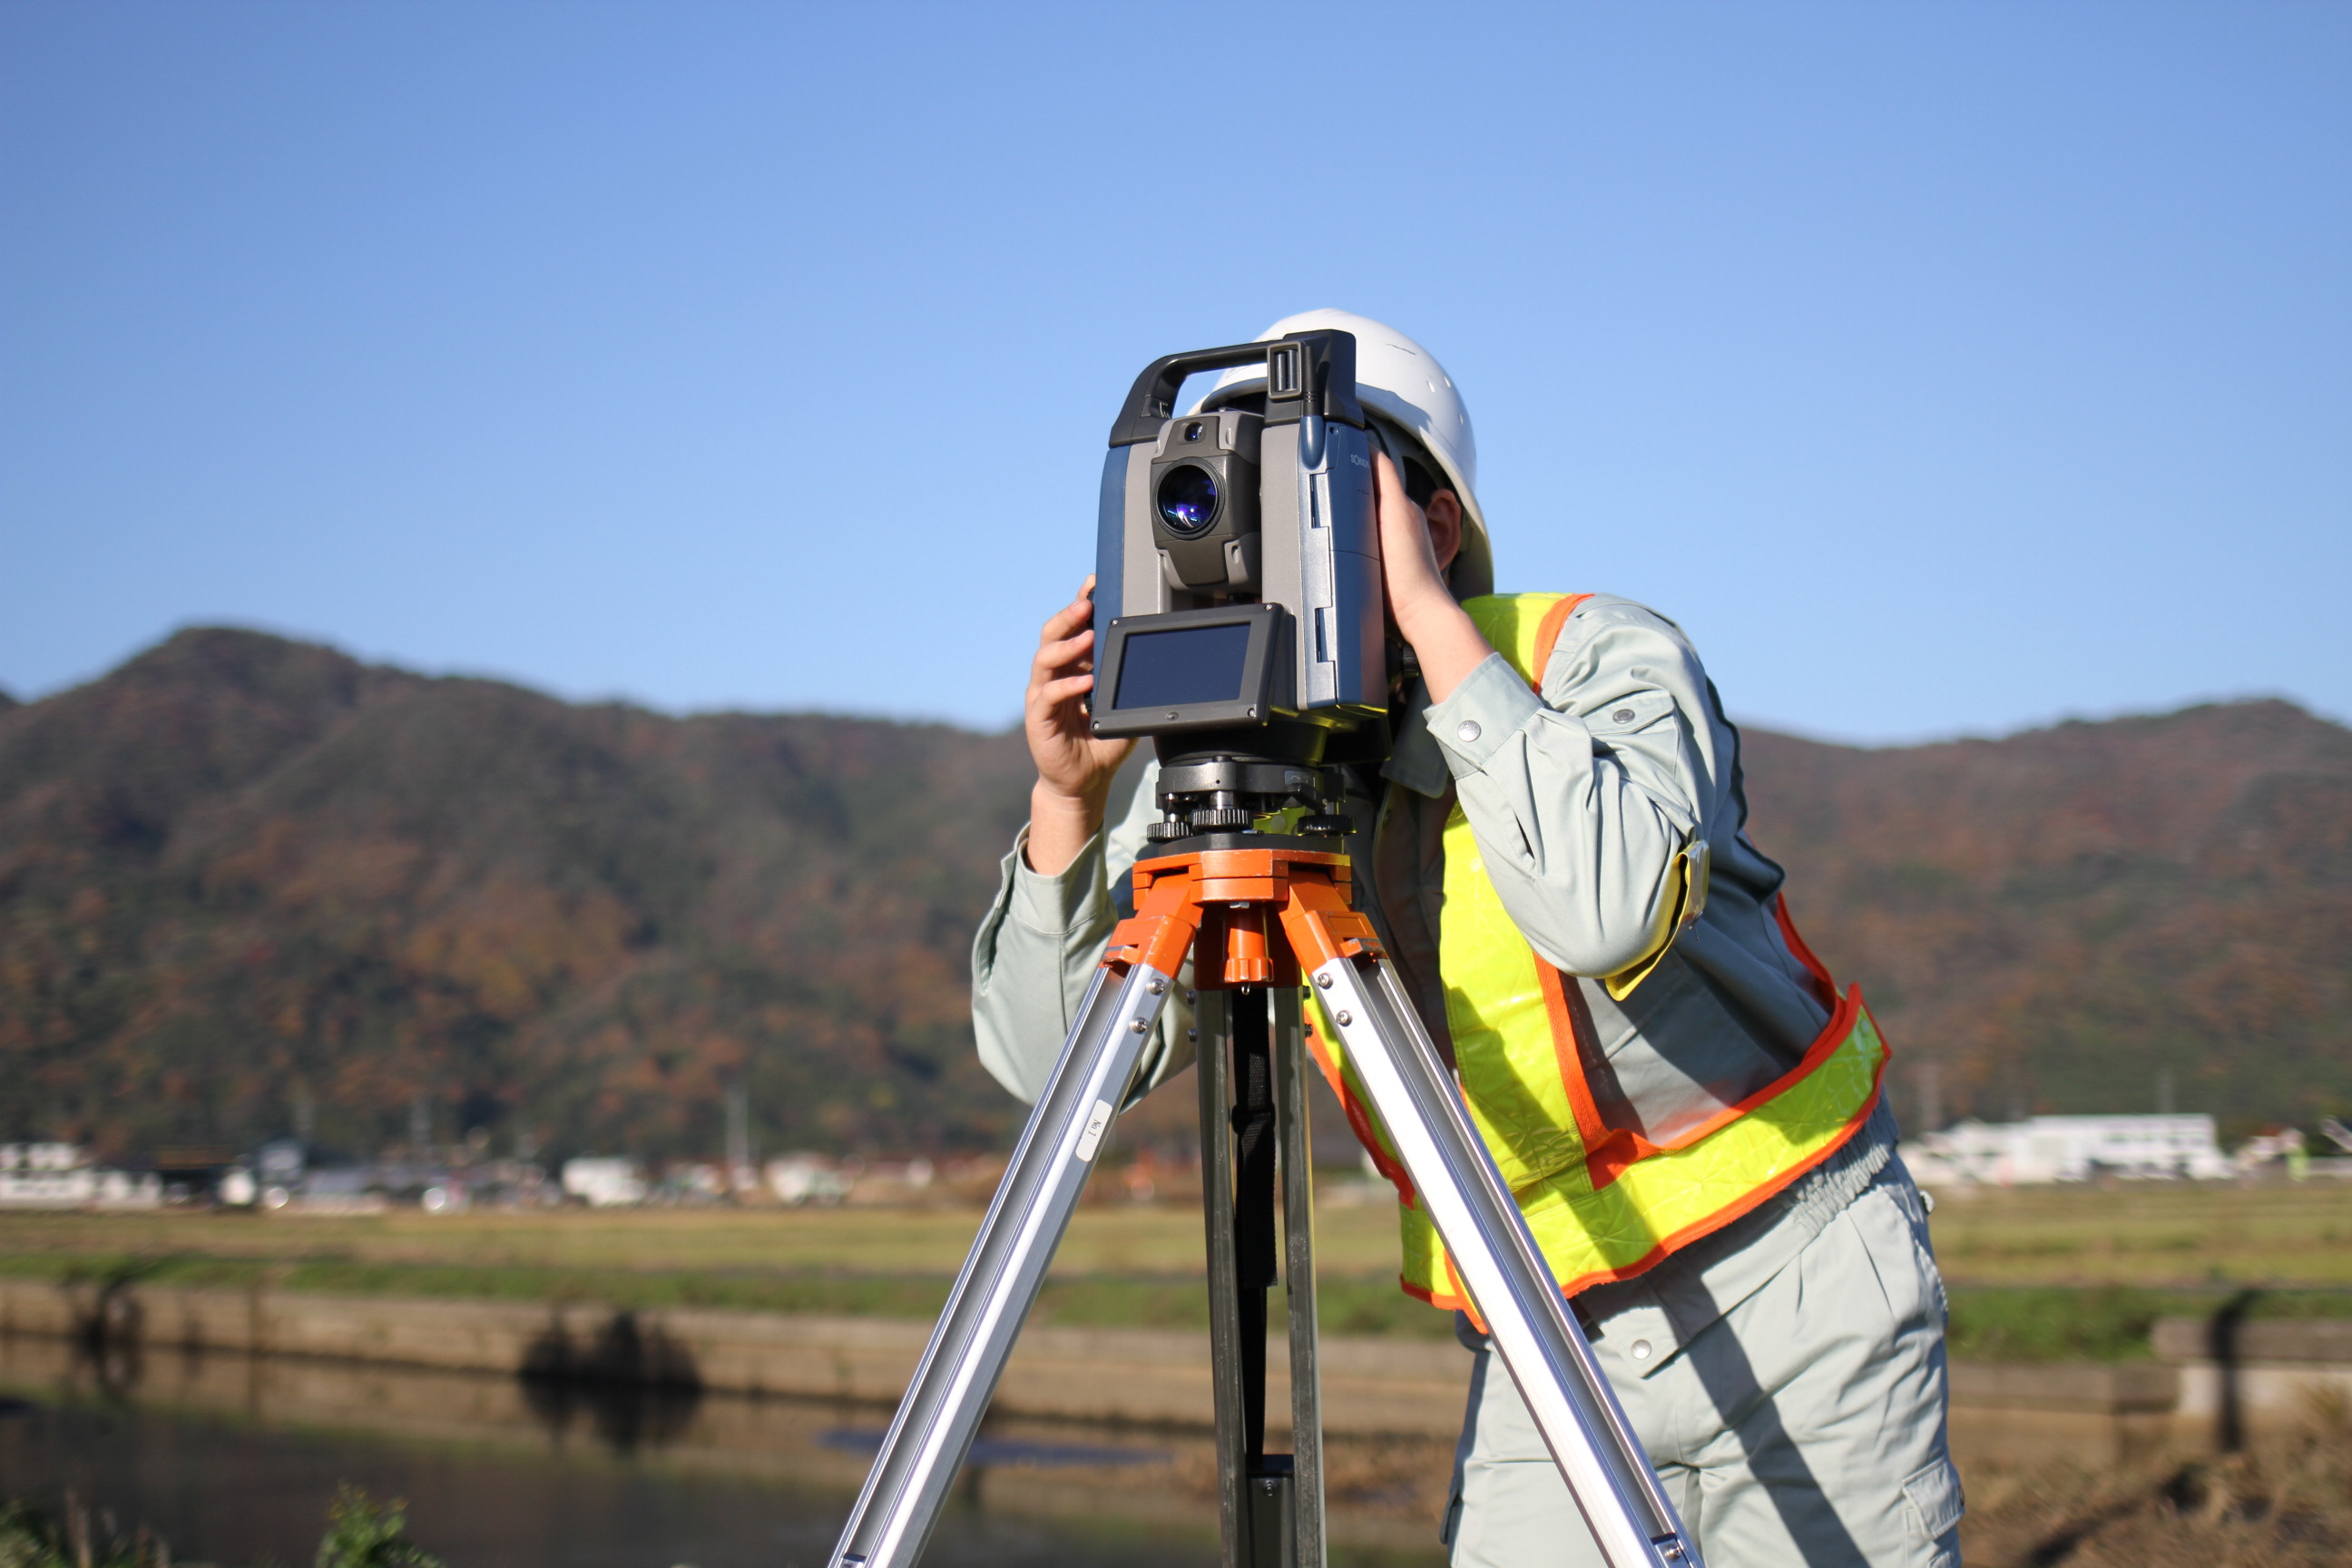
[{"x": 1445, "y": 514}]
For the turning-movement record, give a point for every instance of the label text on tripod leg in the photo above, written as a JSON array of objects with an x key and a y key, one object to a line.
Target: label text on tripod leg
[{"x": 1091, "y": 1139}]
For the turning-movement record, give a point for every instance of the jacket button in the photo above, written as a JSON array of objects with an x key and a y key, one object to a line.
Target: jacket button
[
  {"x": 1640, "y": 1349},
  {"x": 1467, "y": 730},
  {"x": 1622, "y": 716}
]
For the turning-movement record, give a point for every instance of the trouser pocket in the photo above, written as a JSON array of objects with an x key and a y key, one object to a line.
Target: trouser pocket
[{"x": 1932, "y": 1492}]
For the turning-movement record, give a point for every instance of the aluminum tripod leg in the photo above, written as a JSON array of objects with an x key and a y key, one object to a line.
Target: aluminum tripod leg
[
  {"x": 1454, "y": 1179},
  {"x": 1291, "y": 1069},
  {"x": 943, "y": 1406}
]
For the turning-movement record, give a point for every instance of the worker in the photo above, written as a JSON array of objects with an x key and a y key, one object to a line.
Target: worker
[{"x": 1686, "y": 1108}]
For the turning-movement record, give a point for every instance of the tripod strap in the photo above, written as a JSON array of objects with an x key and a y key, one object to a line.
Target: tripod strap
[
  {"x": 1254, "y": 1143},
  {"x": 1255, "y": 1254}
]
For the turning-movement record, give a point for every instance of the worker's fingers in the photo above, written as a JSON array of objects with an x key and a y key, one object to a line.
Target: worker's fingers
[
  {"x": 1055, "y": 657},
  {"x": 1078, "y": 612},
  {"x": 1407, "y": 555},
  {"x": 1066, "y": 637},
  {"x": 1049, "y": 691},
  {"x": 1068, "y": 758},
  {"x": 1059, "y": 650},
  {"x": 1068, "y": 689},
  {"x": 1397, "y": 509}
]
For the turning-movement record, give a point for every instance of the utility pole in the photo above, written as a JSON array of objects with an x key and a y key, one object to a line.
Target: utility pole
[
  {"x": 420, "y": 1128},
  {"x": 306, "y": 1117},
  {"x": 738, "y": 1137},
  {"x": 1931, "y": 1098},
  {"x": 2164, "y": 1091}
]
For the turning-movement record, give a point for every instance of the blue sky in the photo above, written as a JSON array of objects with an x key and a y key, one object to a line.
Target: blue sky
[{"x": 1941, "y": 368}]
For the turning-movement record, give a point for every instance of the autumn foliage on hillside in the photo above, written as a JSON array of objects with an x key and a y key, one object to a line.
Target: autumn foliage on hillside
[
  {"x": 2057, "y": 918},
  {"x": 239, "y": 868},
  {"x": 240, "y": 871}
]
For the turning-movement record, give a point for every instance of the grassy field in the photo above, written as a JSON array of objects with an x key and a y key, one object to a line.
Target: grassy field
[
  {"x": 1135, "y": 1265},
  {"x": 2036, "y": 1274},
  {"x": 2148, "y": 1233}
]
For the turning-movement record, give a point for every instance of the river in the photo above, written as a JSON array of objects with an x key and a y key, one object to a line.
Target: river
[{"x": 232, "y": 1459}]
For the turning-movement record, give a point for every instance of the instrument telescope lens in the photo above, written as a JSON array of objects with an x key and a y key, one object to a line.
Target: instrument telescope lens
[{"x": 1188, "y": 500}]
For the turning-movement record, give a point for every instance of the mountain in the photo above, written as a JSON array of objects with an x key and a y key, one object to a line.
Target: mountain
[
  {"x": 2055, "y": 919},
  {"x": 241, "y": 872}
]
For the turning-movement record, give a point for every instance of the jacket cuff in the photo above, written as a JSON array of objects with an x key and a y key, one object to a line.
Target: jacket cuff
[
  {"x": 1053, "y": 905},
  {"x": 1490, "y": 706}
]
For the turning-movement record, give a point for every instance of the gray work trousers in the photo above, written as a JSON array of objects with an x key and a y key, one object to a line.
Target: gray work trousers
[{"x": 1805, "y": 1425}]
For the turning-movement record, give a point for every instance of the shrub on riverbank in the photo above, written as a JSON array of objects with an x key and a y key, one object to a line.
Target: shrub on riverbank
[
  {"x": 364, "y": 1534},
  {"x": 31, "y": 1538},
  {"x": 360, "y": 1533}
]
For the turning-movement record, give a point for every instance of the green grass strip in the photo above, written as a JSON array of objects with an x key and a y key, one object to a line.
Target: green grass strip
[
  {"x": 2100, "y": 1323},
  {"x": 2009, "y": 1323}
]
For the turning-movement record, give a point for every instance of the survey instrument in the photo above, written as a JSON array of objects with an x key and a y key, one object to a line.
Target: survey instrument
[{"x": 1241, "y": 630}]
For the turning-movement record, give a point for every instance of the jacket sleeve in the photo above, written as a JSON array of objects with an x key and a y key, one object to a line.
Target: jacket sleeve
[
  {"x": 1036, "y": 952},
  {"x": 1582, "y": 799}
]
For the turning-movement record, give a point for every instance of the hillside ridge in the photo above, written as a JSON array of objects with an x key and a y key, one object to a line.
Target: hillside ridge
[{"x": 240, "y": 871}]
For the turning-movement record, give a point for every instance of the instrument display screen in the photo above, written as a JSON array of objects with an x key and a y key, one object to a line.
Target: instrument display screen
[{"x": 1182, "y": 666}]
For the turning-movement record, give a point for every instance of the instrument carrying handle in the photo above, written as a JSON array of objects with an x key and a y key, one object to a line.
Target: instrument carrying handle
[{"x": 1307, "y": 373}]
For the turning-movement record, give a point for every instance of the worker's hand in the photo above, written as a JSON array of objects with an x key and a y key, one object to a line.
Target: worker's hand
[
  {"x": 1413, "y": 559},
  {"x": 1074, "y": 769},
  {"x": 1416, "y": 578}
]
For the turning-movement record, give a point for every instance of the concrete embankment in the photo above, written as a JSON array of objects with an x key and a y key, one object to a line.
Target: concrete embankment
[
  {"x": 1148, "y": 1377},
  {"x": 2212, "y": 1378}
]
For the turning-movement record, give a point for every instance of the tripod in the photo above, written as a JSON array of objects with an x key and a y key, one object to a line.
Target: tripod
[{"x": 1256, "y": 913}]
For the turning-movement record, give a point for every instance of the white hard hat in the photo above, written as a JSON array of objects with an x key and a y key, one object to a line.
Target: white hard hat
[{"x": 1403, "y": 384}]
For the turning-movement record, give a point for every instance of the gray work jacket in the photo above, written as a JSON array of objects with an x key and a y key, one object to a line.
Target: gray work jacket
[{"x": 1582, "y": 799}]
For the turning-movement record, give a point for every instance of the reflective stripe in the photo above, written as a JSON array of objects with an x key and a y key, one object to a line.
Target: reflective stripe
[{"x": 1604, "y": 1202}]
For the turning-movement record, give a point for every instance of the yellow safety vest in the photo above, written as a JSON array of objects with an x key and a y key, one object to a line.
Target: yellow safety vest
[{"x": 1604, "y": 1202}]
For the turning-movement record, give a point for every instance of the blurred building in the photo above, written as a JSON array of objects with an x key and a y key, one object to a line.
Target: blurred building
[
  {"x": 806, "y": 1179},
  {"x": 603, "y": 1183},
  {"x": 60, "y": 1176},
  {"x": 2069, "y": 1149}
]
